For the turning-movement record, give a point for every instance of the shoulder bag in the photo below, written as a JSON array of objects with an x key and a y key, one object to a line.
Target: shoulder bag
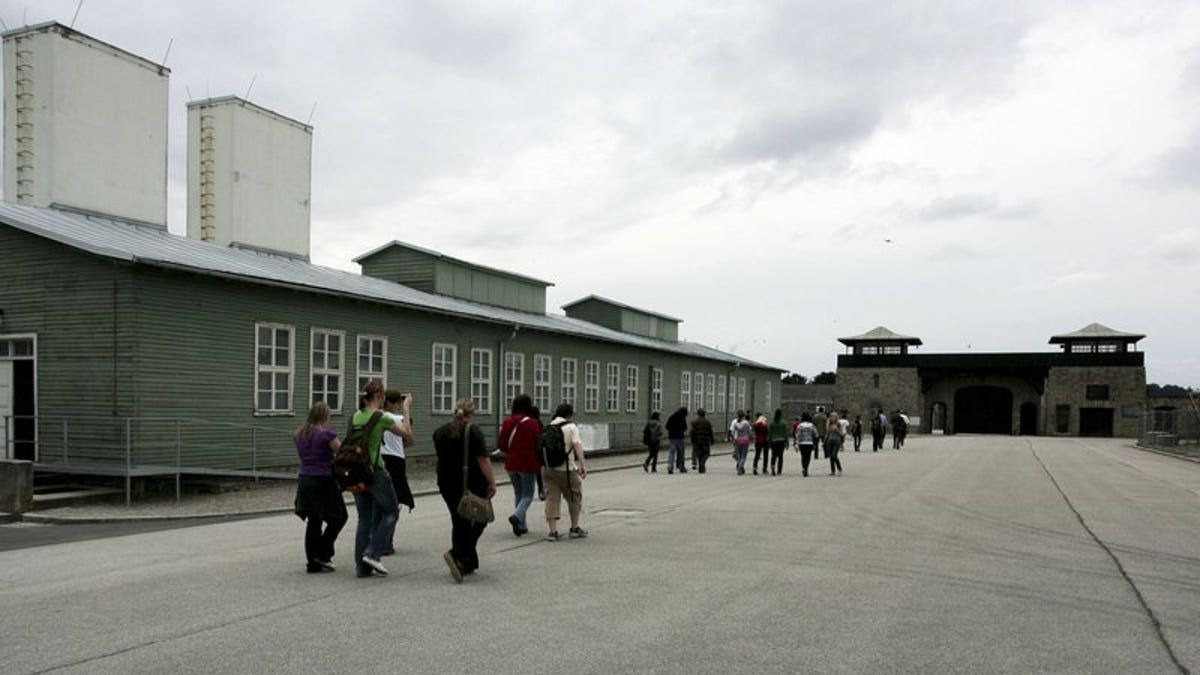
[{"x": 472, "y": 507}]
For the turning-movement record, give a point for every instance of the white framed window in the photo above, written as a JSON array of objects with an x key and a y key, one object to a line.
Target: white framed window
[
  {"x": 541, "y": 382},
  {"x": 711, "y": 389},
  {"x": 569, "y": 380},
  {"x": 697, "y": 391},
  {"x": 372, "y": 360},
  {"x": 591, "y": 386},
  {"x": 481, "y": 380},
  {"x": 275, "y": 365},
  {"x": 514, "y": 375},
  {"x": 656, "y": 389},
  {"x": 326, "y": 364},
  {"x": 613, "y": 389},
  {"x": 631, "y": 389},
  {"x": 742, "y": 394},
  {"x": 445, "y": 365},
  {"x": 722, "y": 394},
  {"x": 767, "y": 397},
  {"x": 685, "y": 389}
]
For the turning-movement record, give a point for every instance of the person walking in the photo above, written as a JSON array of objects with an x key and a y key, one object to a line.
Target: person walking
[
  {"x": 833, "y": 444},
  {"x": 652, "y": 435},
  {"x": 876, "y": 432},
  {"x": 676, "y": 433},
  {"x": 806, "y": 440},
  {"x": 821, "y": 422},
  {"x": 451, "y": 441},
  {"x": 856, "y": 431},
  {"x": 395, "y": 457},
  {"x": 761, "y": 443},
  {"x": 318, "y": 497},
  {"x": 566, "y": 481},
  {"x": 536, "y": 414},
  {"x": 702, "y": 440},
  {"x": 518, "y": 439},
  {"x": 376, "y": 506},
  {"x": 899, "y": 429},
  {"x": 777, "y": 434},
  {"x": 741, "y": 432}
]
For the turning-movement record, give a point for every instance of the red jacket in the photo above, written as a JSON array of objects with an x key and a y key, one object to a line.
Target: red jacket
[
  {"x": 518, "y": 440},
  {"x": 760, "y": 432}
]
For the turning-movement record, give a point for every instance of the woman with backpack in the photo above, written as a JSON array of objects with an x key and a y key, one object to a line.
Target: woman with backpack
[
  {"x": 652, "y": 435},
  {"x": 457, "y": 441},
  {"x": 834, "y": 437},
  {"x": 740, "y": 432},
  {"x": 518, "y": 441},
  {"x": 376, "y": 502},
  {"x": 806, "y": 440},
  {"x": 318, "y": 498},
  {"x": 777, "y": 433}
]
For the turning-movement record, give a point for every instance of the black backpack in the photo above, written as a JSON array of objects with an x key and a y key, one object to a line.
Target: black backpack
[
  {"x": 552, "y": 447},
  {"x": 352, "y": 463},
  {"x": 647, "y": 437}
]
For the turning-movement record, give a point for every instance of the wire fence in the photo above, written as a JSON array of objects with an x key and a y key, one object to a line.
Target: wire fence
[{"x": 1169, "y": 427}]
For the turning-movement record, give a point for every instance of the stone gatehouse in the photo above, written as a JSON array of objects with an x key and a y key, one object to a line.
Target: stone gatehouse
[{"x": 1094, "y": 386}]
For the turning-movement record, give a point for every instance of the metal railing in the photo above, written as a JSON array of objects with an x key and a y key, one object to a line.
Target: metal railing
[
  {"x": 147, "y": 446},
  {"x": 1170, "y": 427}
]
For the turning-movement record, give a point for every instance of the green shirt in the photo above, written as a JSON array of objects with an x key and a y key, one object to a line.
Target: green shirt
[
  {"x": 778, "y": 431},
  {"x": 385, "y": 422}
]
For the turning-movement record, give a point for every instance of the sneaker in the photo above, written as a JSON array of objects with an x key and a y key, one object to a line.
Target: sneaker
[
  {"x": 326, "y": 565},
  {"x": 553, "y": 536},
  {"x": 455, "y": 570},
  {"x": 516, "y": 524},
  {"x": 375, "y": 564},
  {"x": 578, "y": 533}
]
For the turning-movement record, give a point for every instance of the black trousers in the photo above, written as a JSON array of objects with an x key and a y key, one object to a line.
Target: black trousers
[
  {"x": 876, "y": 440},
  {"x": 652, "y": 456},
  {"x": 806, "y": 452},
  {"x": 700, "y": 452},
  {"x": 777, "y": 448},
  {"x": 318, "y": 542},
  {"x": 464, "y": 536},
  {"x": 761, "y": 450}
]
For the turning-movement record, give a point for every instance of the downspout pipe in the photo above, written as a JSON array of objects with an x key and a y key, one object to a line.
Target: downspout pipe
[{"x": 500, "y": 372}]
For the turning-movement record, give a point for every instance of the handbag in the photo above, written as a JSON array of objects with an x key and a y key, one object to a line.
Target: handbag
[{"x": 472, "y": 507}]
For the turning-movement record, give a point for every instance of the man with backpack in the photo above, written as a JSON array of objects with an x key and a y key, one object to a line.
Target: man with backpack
[
  {"x": 652, "y": 435},
  {"x": 563, "y": 469},
  {"x": 677, "y": 427}
]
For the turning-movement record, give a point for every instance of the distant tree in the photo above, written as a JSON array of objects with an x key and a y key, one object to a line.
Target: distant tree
[
  {"x": 825, "y": 378},
  {"x": 794, "y": 378},
  {"x": 1153, "y": 389}
]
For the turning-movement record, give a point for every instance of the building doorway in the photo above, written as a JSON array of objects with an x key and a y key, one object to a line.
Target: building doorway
[
  {"x": 983, "y": 409},
  {"x": 18, "y": 398},
  {"x": 937, "y": 418},
  {"x": 1096, "y": 422},
  {"x": 1029, "y": 422}
]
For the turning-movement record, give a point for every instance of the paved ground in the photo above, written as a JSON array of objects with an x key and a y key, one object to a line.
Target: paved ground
[{"x": 956, "y": 555}]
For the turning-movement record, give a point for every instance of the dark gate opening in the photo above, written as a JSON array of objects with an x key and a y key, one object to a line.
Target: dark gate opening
[
  {"x": 24, "y": 430},
  {"x": 1028, "y": 419},
  {"x": 1096, "y": 422},
  {"x": 983, "y": 409}
]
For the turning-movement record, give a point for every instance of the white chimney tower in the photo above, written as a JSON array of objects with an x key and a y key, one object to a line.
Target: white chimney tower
[
  {"x": 249, "y": 177},
  {"x": 85, "y": 125}
]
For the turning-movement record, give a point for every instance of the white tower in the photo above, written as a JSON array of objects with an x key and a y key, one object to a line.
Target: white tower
[
  {"x": 249, "y": 177},
  {"x": 85, "y": 125}
]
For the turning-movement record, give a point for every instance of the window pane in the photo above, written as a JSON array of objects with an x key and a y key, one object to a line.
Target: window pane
[
  {"x": 264, "y": 381},
  {"x": 23, "y": 347},
  {"x": 4, "y": 347},
  {"x": 364, "y": 362},
  {"x": 334, "y": 401},
  {"x": 281, "y": 401},
  {"x": 264, "y": 400},
  {"x": 264, "y": 336},
  {"x": 281, "y": 356},
  {"x": 281, "y": 337},
  {"x": 318, "y": 359},
  {"x": 318, "y": 385},
  {"x": 281, "y": 381},
  {"x": 318, "y": 341},
  {"x": 264, "y": 356},
  {"x": 377, "y": 364}
]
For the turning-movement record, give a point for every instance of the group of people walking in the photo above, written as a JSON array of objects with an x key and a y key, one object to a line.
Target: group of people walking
[{"x": 464, "y": 463}]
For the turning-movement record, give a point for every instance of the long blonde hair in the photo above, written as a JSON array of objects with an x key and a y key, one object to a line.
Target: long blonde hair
[{"x": 318, "y": 415}]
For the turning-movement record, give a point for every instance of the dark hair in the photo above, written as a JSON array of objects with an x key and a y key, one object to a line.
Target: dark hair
[
  {"x": 392, "y": 396},
  {"x": 565, "y": 411},
  {"x": 535, "y": 412},
  {"x": 522, "y": 404},
  {"x": 700, "y": 412},
  {"x": 654, "y": 415},
  {"x": 370, "y": 391},
  {"x": 778, "y": 414},
  {"x": 805, "y": 416},
  {"x": 682, "y": 410}
]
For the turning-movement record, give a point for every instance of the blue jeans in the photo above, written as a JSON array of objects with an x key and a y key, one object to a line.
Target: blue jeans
[
  {"x": 377, "y": 514},
  {"x": 523, "y": 485},
  {"x": 740, "y": 451},
  {"x": 675, "y": 453}
]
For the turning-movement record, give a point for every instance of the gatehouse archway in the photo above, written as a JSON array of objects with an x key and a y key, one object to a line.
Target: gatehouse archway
[
  {"x": 983, "y": 409},
  {"x": 1029, "y": 421}
]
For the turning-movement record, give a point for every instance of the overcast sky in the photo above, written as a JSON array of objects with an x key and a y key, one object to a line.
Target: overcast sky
[{"x": 982, "y": 175}]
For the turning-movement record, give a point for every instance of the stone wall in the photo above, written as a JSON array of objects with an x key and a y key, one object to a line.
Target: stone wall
[
  {"x": 943, "y": 391},
  {"x": 1126, "y": 397},
  {"x": 861, "y": 391}
]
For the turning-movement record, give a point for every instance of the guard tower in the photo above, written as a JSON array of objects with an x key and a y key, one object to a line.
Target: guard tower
[{"x": 879, "y": 341}]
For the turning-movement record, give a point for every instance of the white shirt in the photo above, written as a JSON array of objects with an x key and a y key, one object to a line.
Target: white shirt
[
  {"x": 392, "y": 444},
  {"x": 571, "y": 442},
  {"x": 845, "y": 425}
]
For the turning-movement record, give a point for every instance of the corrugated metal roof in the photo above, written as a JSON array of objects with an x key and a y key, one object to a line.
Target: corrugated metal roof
[
  {"x": 395, "y": 243},
  {"x": 622, "y": 305},
  {"x": 120, "y": 240}
]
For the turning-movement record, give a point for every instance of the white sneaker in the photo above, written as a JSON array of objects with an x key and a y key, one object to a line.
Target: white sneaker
[{"x": 375, "y": 564}]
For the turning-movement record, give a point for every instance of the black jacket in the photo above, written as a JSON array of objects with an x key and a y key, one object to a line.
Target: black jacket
[{"x": 677, "y": 425}]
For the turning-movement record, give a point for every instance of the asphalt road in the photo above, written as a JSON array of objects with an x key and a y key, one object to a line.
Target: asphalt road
[{"x": 956, "y": 555}]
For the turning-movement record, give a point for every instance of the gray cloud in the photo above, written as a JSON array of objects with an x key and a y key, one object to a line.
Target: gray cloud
[
  {"x": 1179, "y": 167},
  {"x": 955, "y": 207}
]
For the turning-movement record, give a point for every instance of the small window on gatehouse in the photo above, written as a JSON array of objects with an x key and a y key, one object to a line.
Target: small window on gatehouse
[{"x": 1097, "y": 392}]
